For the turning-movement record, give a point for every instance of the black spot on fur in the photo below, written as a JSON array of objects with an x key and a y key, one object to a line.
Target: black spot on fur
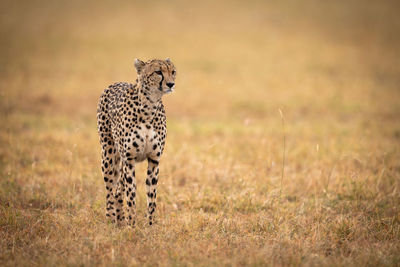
[{"x": 153, "y": 161}]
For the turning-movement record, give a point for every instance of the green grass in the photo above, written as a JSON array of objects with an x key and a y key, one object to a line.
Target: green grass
[{"x": 331, "y": 67}]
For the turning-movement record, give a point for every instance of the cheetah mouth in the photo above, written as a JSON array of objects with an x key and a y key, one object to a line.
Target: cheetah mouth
[
  {"x": 169, "y": 90},
  {"x": 166, "y": 91}
]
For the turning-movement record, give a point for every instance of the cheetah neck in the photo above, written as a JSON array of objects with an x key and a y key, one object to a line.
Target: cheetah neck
[{"x": 148, "y": 105}]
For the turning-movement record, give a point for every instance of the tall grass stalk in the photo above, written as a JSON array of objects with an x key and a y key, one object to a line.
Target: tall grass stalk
[{"x": 284, "y": 151}]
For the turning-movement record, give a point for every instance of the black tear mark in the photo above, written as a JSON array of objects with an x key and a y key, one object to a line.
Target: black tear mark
[{"x": 162, "y": 79}]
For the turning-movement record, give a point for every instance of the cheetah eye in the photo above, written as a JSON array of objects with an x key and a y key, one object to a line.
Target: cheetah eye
[
  {"x": 173, "y": 72},
  {"x": 159, "y": 72}
]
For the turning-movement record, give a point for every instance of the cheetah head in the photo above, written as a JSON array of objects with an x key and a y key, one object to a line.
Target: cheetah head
[{"x": 156, "y": 76}]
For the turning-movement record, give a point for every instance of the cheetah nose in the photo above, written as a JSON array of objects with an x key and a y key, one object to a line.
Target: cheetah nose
[{"x": 170, "y": 85}]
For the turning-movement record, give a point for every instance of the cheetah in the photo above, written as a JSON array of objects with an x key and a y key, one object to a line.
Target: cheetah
[{"x": 132, "y": 128}]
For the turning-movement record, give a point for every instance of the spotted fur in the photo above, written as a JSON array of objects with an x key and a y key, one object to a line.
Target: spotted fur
[{"x": 132, "y": 128}]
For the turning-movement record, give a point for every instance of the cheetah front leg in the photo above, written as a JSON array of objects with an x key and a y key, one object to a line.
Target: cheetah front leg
[
  {"x": 130, "y": 190},
  {"x": 151, "y": 188}
]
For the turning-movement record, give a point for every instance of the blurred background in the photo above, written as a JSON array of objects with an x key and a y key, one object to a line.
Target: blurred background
[
  {"x": 236, "y": 59},
  {"x": 332, "y": 67}
]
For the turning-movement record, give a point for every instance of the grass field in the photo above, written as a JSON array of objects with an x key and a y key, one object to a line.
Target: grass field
[{"x": 331, "y": 67}]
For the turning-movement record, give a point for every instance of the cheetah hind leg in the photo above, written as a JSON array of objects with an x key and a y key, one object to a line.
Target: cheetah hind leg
[
  {"x": 119, "y": 192},
  {"x": 108, "y": 162}
]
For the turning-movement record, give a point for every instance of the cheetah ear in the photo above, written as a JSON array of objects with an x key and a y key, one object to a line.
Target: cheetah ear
[
  {"x": 168, "y": 60},
  {"x": 139, "y": 65}
]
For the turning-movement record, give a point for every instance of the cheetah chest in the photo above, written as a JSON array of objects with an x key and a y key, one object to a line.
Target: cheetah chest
[{"x": 145, "y": 143}]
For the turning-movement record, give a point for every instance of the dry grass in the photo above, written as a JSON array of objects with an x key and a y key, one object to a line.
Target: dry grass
[{"x": 332, "y": 67}]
